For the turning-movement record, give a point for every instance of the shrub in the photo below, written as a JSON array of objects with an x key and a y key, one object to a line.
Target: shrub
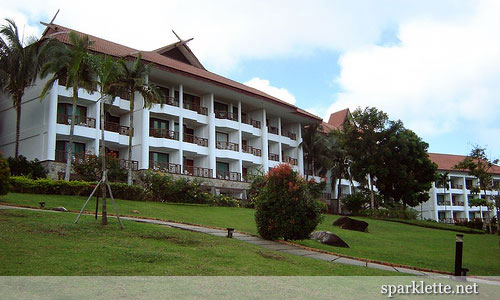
[
  {"x": 89, "y": 168},
  {"x": 384, "y": 213},
  {"x": 4, "y": 176},
  {"x": 226, "y": 200},
  {"x": 285, "y": 207},
  {"x": 355, "y": 202},
  {"x": 20, "y": 166},
  {"x": 20, "y": 184},
  {"x": 323, "y": 207}
]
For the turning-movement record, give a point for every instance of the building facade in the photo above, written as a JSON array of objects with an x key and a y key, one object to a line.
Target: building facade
[{"x": 209, "y": 127}]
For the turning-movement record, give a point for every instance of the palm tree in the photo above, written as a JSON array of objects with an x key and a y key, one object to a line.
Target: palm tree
[
  {"x": 73, "y": 64},
  {"x": 337, "y": 160},
  {"x": 133, "y": 80},
  {"x": 18, "y": 68},
  {"x": 444, "y": 179},
  {"x": 108, "y": 72},
  {"x": 313, "y": 145}
]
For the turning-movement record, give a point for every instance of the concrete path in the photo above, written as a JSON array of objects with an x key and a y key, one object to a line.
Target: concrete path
[{"x": 272, "y": 245}]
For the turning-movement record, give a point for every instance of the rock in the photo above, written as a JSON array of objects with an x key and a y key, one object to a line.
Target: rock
[
  {"x": 60, "y": 208},
  {"x": 328, "y": 238},
  {"x": 134, "y": 211},
  {"x": 351, "y": 224}
]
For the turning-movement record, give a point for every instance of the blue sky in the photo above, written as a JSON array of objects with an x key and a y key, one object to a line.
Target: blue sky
[{"x": 433, "y": 64}]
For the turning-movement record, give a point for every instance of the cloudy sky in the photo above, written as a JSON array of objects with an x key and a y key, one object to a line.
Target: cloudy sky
[{"x": 433, "y": 64}]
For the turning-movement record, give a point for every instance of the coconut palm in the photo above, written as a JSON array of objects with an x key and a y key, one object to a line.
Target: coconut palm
[
  {"x": 73, "y": 64},
  {"x": 337, "y": 160},
  {"x": 313, "y": 145},
  {"x": 134, "y": 80},
  {"x": 18, "y": 67}
]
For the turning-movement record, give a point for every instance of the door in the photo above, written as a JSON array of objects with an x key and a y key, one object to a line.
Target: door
[
  {"x": 189, "y": 166},
  {"x": 222, "y": 170}
]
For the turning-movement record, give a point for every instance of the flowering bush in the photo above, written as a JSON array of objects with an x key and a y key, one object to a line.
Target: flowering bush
[{"x": 286, "y": 206}]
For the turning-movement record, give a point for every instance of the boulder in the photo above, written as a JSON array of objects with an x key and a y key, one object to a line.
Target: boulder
[
  {"x": 328, "y": 238},
  {"x": 60, "y": 208},
  {"x": 134, "y": 211},
  {"x": 351, "y": 224}
]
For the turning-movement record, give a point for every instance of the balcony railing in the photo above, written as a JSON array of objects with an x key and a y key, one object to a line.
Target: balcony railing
[
  {"x": 289, "y": 134},
  {"x": 165, "y": 167},
  {"x": 227, "y": 146},
  {"x": 458, "y": 203},
  {"x": 250, "y": 121},
  {"x": 443, "y": 203},
  {"x": 195, "y": 107},
  {"x": 227, "y": 175},
  {"x": 164, "y": 133},
  {"x": 197, "y": 171},
  {"x": 115, "y": 127},
  {"x": 124, "y": 164},
  {"x": 290, "y": 160},
  {"x": 189, "y": 138},
  {"x": 79, "y": 120},
  {"x": 274, "y": 157},
  {"x": 252, "y": 150},
  {"x": 456, "y": 186},
  {"x": 272, "y": 129},
  {"x": 226, "y": 115},
  {"x": 61, "y": 156}
]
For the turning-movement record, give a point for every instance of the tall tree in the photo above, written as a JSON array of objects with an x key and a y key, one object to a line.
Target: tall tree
[
  {"x": 478, "y": 165},
  {"x": 444, "y": 179},
  {"x": 314, "y": 147},
  {"x": 363, "y": 136},
  {"x": 134, "y": 80},
  {"x": 18, "y": 68},
  {"x": 73, "y": 64},
  {"x": 403, "y": 170},
  {"x": 108, "y": 72},
  {"x": 336, "y": 159}
]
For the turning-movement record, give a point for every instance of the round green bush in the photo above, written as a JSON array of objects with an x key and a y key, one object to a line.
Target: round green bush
[
  {"x": 285, "y": 207},
  {"x": 4, "y": 176}
]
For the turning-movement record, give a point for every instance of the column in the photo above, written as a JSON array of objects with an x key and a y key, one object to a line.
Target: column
[
  {"x": 97, "y": 126},
  {"x": 265, "y": 149},
  {"x": 300, "y": 152},
  {"x": 144, "y": 138},
  {"x": 211, "y": 136},
  {"x": 466, "y": 199},
  {"x": 181, "y": 129},
  {"x": 52, "y": 123}
]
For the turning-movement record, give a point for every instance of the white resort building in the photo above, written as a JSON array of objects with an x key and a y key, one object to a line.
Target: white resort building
[{"x": 210, "y": 127}]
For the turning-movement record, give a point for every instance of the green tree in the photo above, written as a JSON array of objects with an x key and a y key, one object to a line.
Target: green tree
[
  {"x": 403, "y": 170},
  {"x": 336, "y": 159},
  {"x": 134, "y": 80},
  {"x": 18, "y": 68},
  {"x": 478, "y": 165},
  {"x": 363, "y": 136},
  {"x": 313, "y": 146},
  {"x": 73, "y": 64}
]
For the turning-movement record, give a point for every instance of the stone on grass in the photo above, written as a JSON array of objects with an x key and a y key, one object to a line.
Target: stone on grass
[
  {"x": 134, "y": 211},
  {"x": 60, "y": 208},
  {"x": 328, "y": 238},
  {"x": 351, "y": 224}
]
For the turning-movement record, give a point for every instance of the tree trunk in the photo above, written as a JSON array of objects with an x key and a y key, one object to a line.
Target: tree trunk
[
  {"x": 130, "y": 135},
  {"x": 18, "y": 123},
  {"x": 71, "y": 133},
  {"x": 339, "y": 194},
  {"x": 372, "y": 196},
  {"x": 103, "y": 167}
]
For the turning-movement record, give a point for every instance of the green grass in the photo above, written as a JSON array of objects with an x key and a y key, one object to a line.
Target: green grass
[
  {"x": 436, "y": 225},
  {"x": 43, "y": 243},
  {"x": 386, "y": 241}
]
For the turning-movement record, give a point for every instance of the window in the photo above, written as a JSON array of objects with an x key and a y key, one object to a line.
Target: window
[
  {"x": 159, "y": 124},
  {"x": 441, "y": 215},
  {"x": 159, "y": 157},
  {"x": 222, "y": 137},
  {"x": 62, "y": 150},
  {"x": 67, "y": 108},
  {"x": 220, "y": 106},
  {"x": 222, "y": 170}
]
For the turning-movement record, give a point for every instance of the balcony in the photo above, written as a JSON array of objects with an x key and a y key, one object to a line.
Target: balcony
[
  {"x": 252, "y": 150},
  {"x": 290, "y": 160},
  {"x": 274, "y": 157},
  {"x": 456, "y": 186},
  {"x": 79, "y": 120},
  {"x": 226, "y": 115},
  {"x": 458, "y": 203},
  {"x": 289, "y": 134},
  {"x": 227, "y": 146},
  {"x": 195, "y": 107},
  {"x": 165, "y": 167},
  {"x": 61, "y": 157},
  {"x": 444, "y": 203},
  {"x": 164, "y": 133},
  {"x": 250, "y": 121},
  {"x": 227, "y": 175},
  {"x": 115, "y": 127},
  {"x": 124, "y": 164},
  {"x": 189, "y": 138},
  {"x": 272, "y": 129},
  {"x": 197, "y": 171}
]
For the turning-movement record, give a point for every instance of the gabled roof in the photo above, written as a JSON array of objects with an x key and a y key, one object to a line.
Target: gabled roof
[
  {"x": 446, "y": 162},
  {"x": 180, "y": 51},
  {"x": 336, "y": 121},
  {"x": 160, "y": 61}
]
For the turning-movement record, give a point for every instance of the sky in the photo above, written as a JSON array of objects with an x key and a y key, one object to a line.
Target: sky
[{"x": 435, "y": 65}]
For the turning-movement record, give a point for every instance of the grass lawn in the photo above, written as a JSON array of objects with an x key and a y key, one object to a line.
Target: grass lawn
[
  {"x": 386, "y": 241},
  {"x": 43, "y": 243}
]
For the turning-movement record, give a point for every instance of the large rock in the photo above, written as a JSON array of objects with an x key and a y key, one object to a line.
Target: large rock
[
  {"x": 328, "y": 238},
  {"x": 60, "y": 208},
  {"x": 351, "y": 224}
]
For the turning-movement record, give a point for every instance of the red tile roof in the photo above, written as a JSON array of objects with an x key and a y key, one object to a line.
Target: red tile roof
[
  {"x": 446, "y": 162},
  {"x": 106, "y": 47},
  {"x": 336, "y": 121}
]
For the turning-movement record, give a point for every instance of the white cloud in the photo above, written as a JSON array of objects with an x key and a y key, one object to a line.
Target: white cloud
[
  {"x": 265, "y": 86},
  {"x": 442, "y": 75}
]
